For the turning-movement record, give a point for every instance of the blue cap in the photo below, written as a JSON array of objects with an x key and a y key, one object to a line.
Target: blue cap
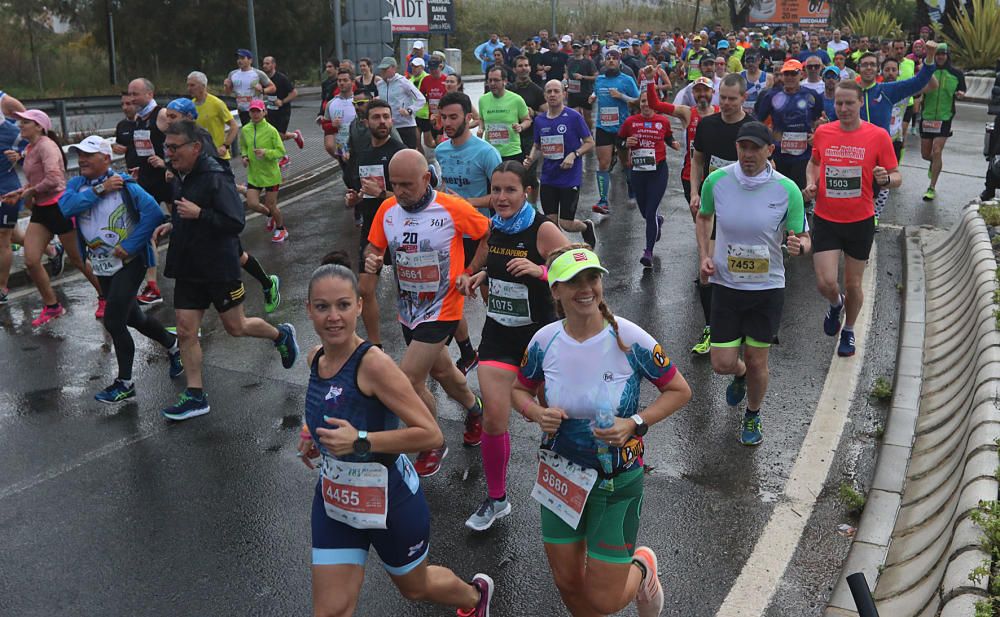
[
  {"x": 184, "y": 106},
  {"x": 536, "y": 39},
  {"x": 624, "y": 45},
  {"x": 723, "y": 44},
  {"x": 244, "y": 53},
  {"x": 831, "y": 70}
]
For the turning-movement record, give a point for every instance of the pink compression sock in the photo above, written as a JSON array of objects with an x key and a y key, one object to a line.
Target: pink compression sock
[{"x": 496, "y": 454}]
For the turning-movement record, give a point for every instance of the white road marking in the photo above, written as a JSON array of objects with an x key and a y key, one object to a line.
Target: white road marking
[{"x": 753, "y": 590}]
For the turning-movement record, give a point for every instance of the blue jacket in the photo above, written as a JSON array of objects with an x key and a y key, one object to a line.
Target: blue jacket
[
  {"x": 9, "y": 140},
  {"x": 486, "y": 49},
  {"x": 878, "y": 99},
  {"x": 74, "y": 202}
]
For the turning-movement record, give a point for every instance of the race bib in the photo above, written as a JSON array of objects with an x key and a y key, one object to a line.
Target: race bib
[
  {"x": 794, "y": 144},
  {"x": 644, "y": 159},
  {"x": 243, "y": 102},
  {"x": 553, "y": 147},
  {"x": 497, "y": 134},
  {"x": 105, "y": 264},
  {"x": 376, "y": 173},
  {"x": 931, "y": 126},
  {"x": 749, "y": 263},
  {"x": 272, "y": 102},
  {"x": 143, "y": 143},
  {"x": 843, "y": 182},
  {"x": 418, "y": 272},
  {"x": 715, "y": 162},
  {"x": 355, "y": 494},
  {"x": 508, "y": 304},
  {"x": 562, "y": 486},
  {"x": 609, "y": 115},
  {"x": 573, "y": 86},
  {"x": 748, "y": 107},
  {"x": 432, "y": 105}
]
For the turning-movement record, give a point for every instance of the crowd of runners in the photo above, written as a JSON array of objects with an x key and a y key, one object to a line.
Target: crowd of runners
[{"x": 791, "y": 144}]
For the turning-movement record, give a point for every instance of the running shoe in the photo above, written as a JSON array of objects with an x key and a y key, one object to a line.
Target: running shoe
[
  {"x": 187, "y": 407},
  {"x": 589, "y": 233},
  {"x": 3, "y": 295},
  {"x": 659, "y": 226},
  {"x": 176, "y": 364},
  {"x": 473, "y": 433},
  {"x": 173, "y": 330},
  {"x": 280, "y": 235},
  {"x": 270, "y": 224},
  {"x": 986, "y": 195},
  {"x": 48, "y": 314},
  {"x": 287, "y": 346},
  {"x": 846, "y": 347},
  {"x": 704, "y": 345},
  {"x": 488, "y": 513},
  {"x": 484, "y": 584},
  {"x": 284, "y": 161},
  {"x": 930, "y": 194},
  {"x": 58, "y": 261},
  {"x": 736, "y": 391},
  {"x": 467, "y": 364},
  {"x": 647, "y": 259},
  {"x": 601, "y": 208},
  {"x": 272, "y": 295},
  {"x": 298, "y": 139},
  {"x": 750, "y": 433},
  {"x": 102, "y": 305},
  {"x": 149, "y": 295},
  {"x": 428, "y": 462},
  {"x": 116, "y": 393},
  {"x": 831, "y": 323},
  {"x": 649, "y": 597}
]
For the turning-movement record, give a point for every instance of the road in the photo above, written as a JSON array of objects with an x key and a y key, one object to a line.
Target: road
[{"x": 113, "y": 511}]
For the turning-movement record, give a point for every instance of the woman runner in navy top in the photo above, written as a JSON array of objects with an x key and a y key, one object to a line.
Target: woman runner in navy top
[{"x": 368, "y": 493}]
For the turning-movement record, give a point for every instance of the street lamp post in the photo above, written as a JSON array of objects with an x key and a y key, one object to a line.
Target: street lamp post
[
  {"x": 553, "y": 33},
  {"x": 253, "y": 30}
]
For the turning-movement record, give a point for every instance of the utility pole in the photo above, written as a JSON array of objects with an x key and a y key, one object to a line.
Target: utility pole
[
  {"x": 253, "y": 31},
  {"x": 553, "y": 31},
  {"x": 112, "y": 60},
  {"x": 338, "y": 26}
]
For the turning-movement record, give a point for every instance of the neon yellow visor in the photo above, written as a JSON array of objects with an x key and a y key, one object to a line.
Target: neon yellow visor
[{"x": 571, "y": 263}]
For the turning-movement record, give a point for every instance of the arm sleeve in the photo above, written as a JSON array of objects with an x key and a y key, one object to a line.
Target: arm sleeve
[
  {"x": 376, "y": 237},
  {"x": 632, "y": 88},
  {"x": 467, "y": 219},
  {"x": 532, "y": 374},
  {"x": 795, "y": 216},
  {"x": 418, "y": 98},
  {"x": 150, "y": 216},
  {"x": 653, "y": 363},
  {"x": 655, "y": 103},
  {"x": 961, "y": 81},
  {"x": 898, "y": 90},
  {"x": 73, "y": 202},
  {"x": 626, "y": 128},
  {"x": 265, "y": 81},
  {"x": 52, "y": 164},
  {"x": 228, "y": 215},
  {"x": 886, "y": 155},
  {"x": 708, "y": 192},
  {"x": 243, "y": 143},
  {"x": 277, "y": 150}
]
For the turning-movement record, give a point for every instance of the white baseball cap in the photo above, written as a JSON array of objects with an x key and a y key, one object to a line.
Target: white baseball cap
[
  {"x": 418, "y": 45},
  {"x": 417, "y": 62},
  {"x": 565, "y": 39},
  {"x": 93, "y": 145}
]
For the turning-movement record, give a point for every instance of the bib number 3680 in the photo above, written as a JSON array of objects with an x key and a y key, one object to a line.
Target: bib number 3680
[{"x": 562, "y": 486}]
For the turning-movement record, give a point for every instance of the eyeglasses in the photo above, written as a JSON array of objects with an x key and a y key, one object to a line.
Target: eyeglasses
[
  {"x": 790, "y": 73},
  {"x": 868, "y": 65},
  {"x": 175, "y": 147}
]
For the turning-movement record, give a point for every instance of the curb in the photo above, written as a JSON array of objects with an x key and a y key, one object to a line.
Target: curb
[
  {"x": 980, "y": 88},
  {"x": 19, "y": 277},
  {"x": 937, "y": 457}
]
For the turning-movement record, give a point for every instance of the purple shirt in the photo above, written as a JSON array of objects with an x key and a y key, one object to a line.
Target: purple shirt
[{"x": 556, "y": 138}]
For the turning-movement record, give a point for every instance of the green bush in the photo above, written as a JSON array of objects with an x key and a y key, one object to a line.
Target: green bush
[
  {"x": 976, "y": 44},
  {"x": 873, "y": 22}
]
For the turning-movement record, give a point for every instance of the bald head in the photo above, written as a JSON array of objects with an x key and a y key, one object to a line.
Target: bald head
[
  {"x": 410, "y": 176},
  {"x": 141, "y": 91}
]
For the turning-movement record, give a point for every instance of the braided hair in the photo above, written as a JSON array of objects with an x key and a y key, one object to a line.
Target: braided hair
[{"x": 603, "y": 307}]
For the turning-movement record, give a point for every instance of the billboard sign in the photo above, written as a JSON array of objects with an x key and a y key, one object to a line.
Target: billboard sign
[
  {"x": 422, "y": 16},
  {"x": 801, "y": 13}
]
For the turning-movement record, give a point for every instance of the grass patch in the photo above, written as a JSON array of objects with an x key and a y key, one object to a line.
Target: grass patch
[
  {"x": 990, "y": 214},
  {"x": 881, "y": 389},
  {"x": 851, "y": 498}
]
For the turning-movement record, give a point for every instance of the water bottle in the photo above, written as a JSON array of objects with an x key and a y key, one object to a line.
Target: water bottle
[{"x": 605, "y": 419}]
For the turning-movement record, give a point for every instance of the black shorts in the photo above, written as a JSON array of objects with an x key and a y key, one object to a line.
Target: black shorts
[
  {"x": 519, "y": 157},
  {"x": 244, "y": 117},
  {"x": 199, "y": 295},
  {"x": 280, "y": 119},
  {"x": 944, "y": 132},
  {"x": 579, "y": 100},
  {"x": 560, "y": 200},
  {"x": 263, "y": 189},
  {"x": 51, "y": 217},
  {"x": 793, "y": 169},
  {"x": 431, "y": 332},
  {"x": 607, "y": 138},
  {"x": 425, "y": 125},
  {"x": 855, "y": 239},
  {"x": 8, "y": 214},
  {"x": 368, "y": 208},
  {"x": 908, "y": 114},
  {"x": 897, "y": 147},
  {"x": 469, "y": 246},
  {"x": 409, "y": 136},
  {"x": 740, "y": 316},
  {"x": 504, "y": 345}
]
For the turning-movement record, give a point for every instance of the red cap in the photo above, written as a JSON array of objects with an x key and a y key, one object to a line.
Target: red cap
[{"x": 257, "y": 104}]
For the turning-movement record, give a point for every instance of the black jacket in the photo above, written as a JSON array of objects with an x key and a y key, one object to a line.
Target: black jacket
[{"x": 206, "y": 248}]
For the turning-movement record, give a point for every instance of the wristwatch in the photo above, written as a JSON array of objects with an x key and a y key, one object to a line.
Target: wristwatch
[
  {"x": 361, "y": 445},
  {"x": 99, "y": 189},
  {"x": 641, "y": 428}
]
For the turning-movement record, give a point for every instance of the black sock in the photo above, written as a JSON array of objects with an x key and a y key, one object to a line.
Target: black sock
[
  {"x": 742, "y": 377},
  {"x": 196, "y": 392},
  {"x": 254, "y": 269},
  {"x": 52, "y": 306},
  {"x": 705, "y": 294},
  {"x": 752, "y": 413},
  {"x": 465, "y": 347}
]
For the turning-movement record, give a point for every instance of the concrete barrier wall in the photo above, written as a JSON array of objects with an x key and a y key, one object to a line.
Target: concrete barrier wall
[
  {"x": 938, "y": 455},
  {"x": 979, "y": 88}
]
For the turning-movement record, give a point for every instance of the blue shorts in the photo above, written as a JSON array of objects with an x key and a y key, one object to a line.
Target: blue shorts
[
  {"x": 401, "y": 547},
  {"x": 8, "y": 212}
]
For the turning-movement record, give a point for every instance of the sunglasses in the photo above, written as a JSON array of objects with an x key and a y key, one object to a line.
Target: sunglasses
[
  {"x": 814, "y": 67},
  {"x": 791, "y": 73}
]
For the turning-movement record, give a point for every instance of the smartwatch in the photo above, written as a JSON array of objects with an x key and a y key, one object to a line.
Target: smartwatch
[
  {"x": 99, "y": 189},
  {"x": 361, "y": 445},
  {"x": 641, "y": 428}
]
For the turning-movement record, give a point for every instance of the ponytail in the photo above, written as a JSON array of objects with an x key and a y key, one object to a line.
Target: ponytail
[{"x": 610, "y": 318}]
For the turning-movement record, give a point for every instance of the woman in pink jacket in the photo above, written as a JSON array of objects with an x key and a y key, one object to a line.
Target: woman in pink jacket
[{"x": 43, "y": 167}]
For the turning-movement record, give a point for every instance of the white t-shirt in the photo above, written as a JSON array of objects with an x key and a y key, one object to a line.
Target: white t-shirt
[
  {"x": 245, "y": 86},
  {"x": 341, "y": 109}
]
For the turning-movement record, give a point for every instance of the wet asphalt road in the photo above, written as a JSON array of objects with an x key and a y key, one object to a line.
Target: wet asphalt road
[{"x": 114, "y": 511}]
